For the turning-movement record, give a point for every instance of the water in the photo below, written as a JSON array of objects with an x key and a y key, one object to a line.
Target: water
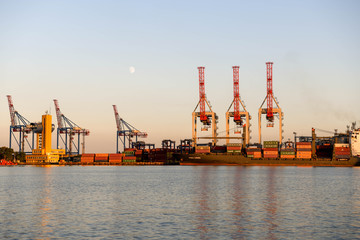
[{"x": 179, "y": 202}]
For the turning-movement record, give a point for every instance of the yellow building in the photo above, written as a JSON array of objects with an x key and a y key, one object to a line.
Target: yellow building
[{"x": 43, "y": 152}]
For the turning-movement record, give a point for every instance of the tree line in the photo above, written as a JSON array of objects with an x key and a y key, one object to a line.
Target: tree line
[{"x": 9, "y": 154}]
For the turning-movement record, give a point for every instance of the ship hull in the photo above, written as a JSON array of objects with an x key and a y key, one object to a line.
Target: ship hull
[{"x": 238, "y": 159}]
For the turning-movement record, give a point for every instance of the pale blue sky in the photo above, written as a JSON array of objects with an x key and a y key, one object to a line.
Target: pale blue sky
[{"x": 79, "y": 52}]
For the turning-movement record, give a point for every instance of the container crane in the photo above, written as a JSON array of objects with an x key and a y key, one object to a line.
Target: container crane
[
  {"x": 208, "y": 118},
  {"x": 69, "y": 129},
  {"x": 241, "y": 118},
  {"x": 126, "y": 131},
  {"x": 270, "y": 111},
  {"x": 21, "y": 125}
]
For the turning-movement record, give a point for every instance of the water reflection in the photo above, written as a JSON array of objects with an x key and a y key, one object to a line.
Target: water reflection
[
  {"x": 270, "y": 203},
  {"x": 239, "y": 195},
  {"x": 45, "y": 203},
  {"x": 204, "y": 210},
  {"x": 179, "y": 202}
]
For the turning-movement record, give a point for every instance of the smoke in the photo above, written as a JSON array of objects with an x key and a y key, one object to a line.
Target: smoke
[{"x": 322, "y": 104}]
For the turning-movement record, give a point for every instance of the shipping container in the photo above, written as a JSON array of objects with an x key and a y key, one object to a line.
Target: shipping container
[
  {"x": 234, "y": 145},
  {"x": 88, "y": 155},
  {"x": 115, "y": 161},
  {"x": 345, "y": 145},
  {"x": 271, "y": 156}
]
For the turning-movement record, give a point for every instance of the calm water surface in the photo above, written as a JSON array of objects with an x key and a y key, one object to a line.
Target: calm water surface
[{"x": 179, "y": 202}]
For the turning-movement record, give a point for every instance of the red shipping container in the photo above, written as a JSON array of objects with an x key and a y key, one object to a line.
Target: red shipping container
[
  {"x": 88, "y": 155},
  {"x": 270, "y": 149}
]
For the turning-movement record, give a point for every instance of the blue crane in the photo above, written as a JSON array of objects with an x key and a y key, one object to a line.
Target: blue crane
[
  {"x": 125, "y": 132},
  {"x": 69, "y": 129},
  {"x": 21, "y": 125}
]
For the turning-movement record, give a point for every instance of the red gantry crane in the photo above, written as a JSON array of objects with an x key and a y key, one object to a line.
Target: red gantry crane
[
  {"x": 208, "y": 118},
  {"x": 270, "y": 111},
  {"x": 238, "y": 116}
]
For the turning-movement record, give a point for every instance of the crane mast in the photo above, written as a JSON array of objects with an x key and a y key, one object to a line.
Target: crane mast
[
  {"x": 269, "y": 96},
  {"x": 208, "y": 118},
  {"x": 270, "y": 110},
  {"x": 238, "y": 115},
  {"x": 203, "y": 118}
]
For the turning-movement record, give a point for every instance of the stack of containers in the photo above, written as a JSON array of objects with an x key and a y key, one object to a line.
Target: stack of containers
[
  {"x": 146, "y": 154},
  {"x": 115, "y": 158},
  {"x": 287, "y": 153},
  {"x": 87, "y": 158},
  {"x": 101, "y": 157},
  {"x": 151, "y": 155},
  {"x": 138, "y": 155},
  {"x": 160, "y": 155},
  {"x": 202, "y": 149},
  {"x": 342, "y": 151},
  {"x": 324, "y": 151},
  {"x": 253, "y": 152},
  {"x": 271, "y": 149},
  {"x": 303, "y": 150},
  {"x": 219, "y": 149},
  {"x": 169, "y": 154},
  {"x": 129, "y": 155},
  {"x": 233, "y": 148}
]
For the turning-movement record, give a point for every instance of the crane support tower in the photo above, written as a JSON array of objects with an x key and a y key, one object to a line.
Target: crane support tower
[
  {"x": 241, "y": 118},
  {"x": 19, "y": 124},
  {"x": 270, "y": 111},
  {"x": 69, "y": 129},
  {"x": 208, "y": 118},
  {"x": 125, "y": 132}
]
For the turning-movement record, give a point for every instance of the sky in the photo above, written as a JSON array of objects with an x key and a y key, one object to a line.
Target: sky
[{"x": 143, "y": 56}]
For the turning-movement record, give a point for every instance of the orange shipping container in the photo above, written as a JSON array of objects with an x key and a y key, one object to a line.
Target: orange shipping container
[
  {"x": 115, "y": 161},
  {"x": 116, "y": 155},
  {"x": 101, "y": 155},
  {"x": 270, "y": 152}
]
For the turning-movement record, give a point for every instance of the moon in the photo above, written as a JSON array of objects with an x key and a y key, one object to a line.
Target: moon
[{"x": 131, "y": 69}]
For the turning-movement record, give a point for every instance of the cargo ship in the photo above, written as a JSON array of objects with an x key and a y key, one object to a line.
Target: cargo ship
[{"x": 341, "y": 150}]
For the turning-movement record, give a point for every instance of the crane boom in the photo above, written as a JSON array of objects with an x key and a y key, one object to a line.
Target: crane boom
[
  {"x": 117, "y": 118},
  {"x": 12, "y": 110},
  {"x": 58, "y": 114}
]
